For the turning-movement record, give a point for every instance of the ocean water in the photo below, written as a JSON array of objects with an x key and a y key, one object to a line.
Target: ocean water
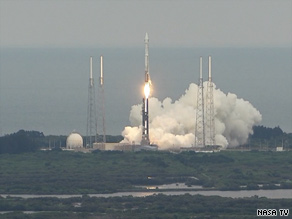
[{"x": 46, "y": 89}]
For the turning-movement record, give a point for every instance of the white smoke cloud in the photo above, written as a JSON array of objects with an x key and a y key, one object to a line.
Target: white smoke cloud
[{"x": 172, "y": 124}]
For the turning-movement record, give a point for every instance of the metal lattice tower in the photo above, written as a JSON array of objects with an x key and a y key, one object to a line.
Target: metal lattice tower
[
  {"x": 91, "y": 130},
  {"x": 200, "y": 129},
  {"x": 210, "y": 120},
  {"x": 101, "y": 105}
]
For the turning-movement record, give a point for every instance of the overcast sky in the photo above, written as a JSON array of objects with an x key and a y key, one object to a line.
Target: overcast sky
[
  {"x": 123, "y": 23},
  {"x": 193, "y": 28}
]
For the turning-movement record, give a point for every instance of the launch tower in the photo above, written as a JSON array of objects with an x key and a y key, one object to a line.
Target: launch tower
[
  {"x": 200, "y": 127},
  {"x": 91, "y": 130},
  {"x": 145, "y": 113},
  {"x": 210, "y": 120},
  {"x": 101, "y": 105}
]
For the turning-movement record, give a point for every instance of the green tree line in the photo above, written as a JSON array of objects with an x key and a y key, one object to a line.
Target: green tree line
[
  {"x": 65, "y": 172},
  {"x": 156, "y": 206},
  {"x": 29, "y": 141}
]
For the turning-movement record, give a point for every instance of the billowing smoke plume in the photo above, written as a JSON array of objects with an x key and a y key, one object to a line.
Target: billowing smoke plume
[{"x": 172, "y": 124}]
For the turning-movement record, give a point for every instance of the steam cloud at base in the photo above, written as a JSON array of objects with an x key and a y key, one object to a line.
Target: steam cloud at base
[{"x": 172, "y": 124}]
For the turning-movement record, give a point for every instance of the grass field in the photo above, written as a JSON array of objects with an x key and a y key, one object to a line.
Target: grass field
[{"x": 63, "y": 172}]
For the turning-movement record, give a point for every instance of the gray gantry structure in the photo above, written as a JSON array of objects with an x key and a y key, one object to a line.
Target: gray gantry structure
[
  {"x": 91, "y": 129},
  {"x": 210, "y": 117},
  {"x": 200, "y": 127},
  {"x": 101, "y": 105}
]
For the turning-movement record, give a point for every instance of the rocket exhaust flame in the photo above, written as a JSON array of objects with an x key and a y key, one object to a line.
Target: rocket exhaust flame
[{"x": 147, "y": 90}]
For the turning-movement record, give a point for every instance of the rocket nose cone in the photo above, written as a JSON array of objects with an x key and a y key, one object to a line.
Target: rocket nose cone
[{"x": 146, "y": 36}]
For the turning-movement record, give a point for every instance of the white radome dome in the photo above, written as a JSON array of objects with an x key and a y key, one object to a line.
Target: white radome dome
[{"x": 74, "y": 140}]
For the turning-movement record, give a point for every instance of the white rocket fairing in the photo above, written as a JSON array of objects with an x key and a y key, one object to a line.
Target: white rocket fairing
[{"x": 147, "y": 76}]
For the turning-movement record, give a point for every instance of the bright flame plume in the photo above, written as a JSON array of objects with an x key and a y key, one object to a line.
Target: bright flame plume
[{"x": 147, "y": 89}]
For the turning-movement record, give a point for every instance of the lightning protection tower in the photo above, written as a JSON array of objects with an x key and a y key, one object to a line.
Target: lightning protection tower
[
  {"x": 210, "y": 120},
  {"x": 91, "y": 130},
  {"x": 200, "y": 129},
  {"x": 101, "y": 106}
]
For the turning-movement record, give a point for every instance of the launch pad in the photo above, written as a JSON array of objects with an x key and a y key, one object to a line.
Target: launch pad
[
  {"x": 205, "y": 149},
  {"x": 123, "y": 147}
]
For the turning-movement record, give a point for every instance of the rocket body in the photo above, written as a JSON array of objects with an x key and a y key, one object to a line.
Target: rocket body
[
  {"x": 145, "y": 117},
  {"x": 147, "y": 76}
]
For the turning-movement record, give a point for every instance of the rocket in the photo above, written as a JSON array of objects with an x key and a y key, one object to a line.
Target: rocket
[
  {"x": 147, "y": 76},
  {"x": 145, "y": 110}
]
